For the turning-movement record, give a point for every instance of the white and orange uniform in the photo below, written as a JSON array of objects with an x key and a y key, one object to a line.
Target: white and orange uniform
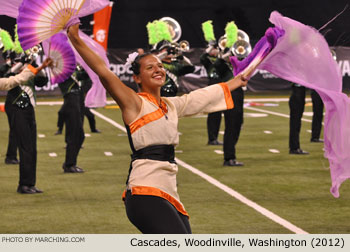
[
  {"x": 157, "y": 125},
  {"x": 14, "y": 81}
]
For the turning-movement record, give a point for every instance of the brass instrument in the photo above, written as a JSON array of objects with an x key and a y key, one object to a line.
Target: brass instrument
[
  {"x": 222, "y": 42},
  {"x": 241, "y": 49},
  {"x": 34, "y": 52},
  {"x": 183, "y": 46},
  {"x": 241, "y": 35},
  {"x": 174, "y": 28},
  {"x": 175, "y": 32}
]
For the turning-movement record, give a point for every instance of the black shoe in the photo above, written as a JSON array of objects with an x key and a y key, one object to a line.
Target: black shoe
[
  {"x": 72, "y": 169},
  {"x": 11, "y": 161},
  {"x": 316, "y": 140},
  {"x": 58, "y": 132},
  {"x": 28, "y": 189},
  {"x": 37, "y": 190},
  {"x": 215, "y": 142},
  {"x": 298, "y": 152},
  {"x": 232, "y": 162},
  {"x": 95, "y": 131}
]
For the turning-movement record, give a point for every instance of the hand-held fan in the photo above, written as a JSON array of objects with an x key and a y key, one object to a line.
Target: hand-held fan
[
  {"x": 63, "y": 58},
  {"x": 40, "y": 19}
]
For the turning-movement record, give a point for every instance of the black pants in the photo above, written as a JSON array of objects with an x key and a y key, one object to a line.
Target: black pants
[
  {"x": 74, "y": 137},
  {"x": 296, "y": 106},
  {"x": 60, "y": 120},
  {"x": 213, "y": 125},
  {"x": 155, "y": 215},
  {"x": 317, "y": 108},
  {"x": 12, "y": 142},
  {"x": 24, "y": 124},
  {"x": 233, "y": 124},
  {"x": 91, "y": 118}
]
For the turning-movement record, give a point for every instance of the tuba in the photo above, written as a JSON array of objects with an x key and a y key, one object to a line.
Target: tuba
[{"x": 174, "y": 28}]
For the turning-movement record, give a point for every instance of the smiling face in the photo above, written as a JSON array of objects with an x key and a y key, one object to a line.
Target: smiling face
[{"x": 152, "y": 74}]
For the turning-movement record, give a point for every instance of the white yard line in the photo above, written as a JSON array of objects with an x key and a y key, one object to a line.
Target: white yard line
[
  {"x": 243, "y": 199},
  {"x": 274, "y": 151},
  {"x": 274, "y": 113},
  {"x": 223, "y": 187}
]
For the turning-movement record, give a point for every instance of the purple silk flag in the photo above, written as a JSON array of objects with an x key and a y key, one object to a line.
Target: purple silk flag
[
  {"x": 96, "y": 96},
  {"x": 302, "y": 56},
  {"x": 10, "y": 7}
]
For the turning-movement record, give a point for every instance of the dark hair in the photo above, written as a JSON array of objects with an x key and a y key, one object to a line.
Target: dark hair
[{"x": 135, "y": 65}]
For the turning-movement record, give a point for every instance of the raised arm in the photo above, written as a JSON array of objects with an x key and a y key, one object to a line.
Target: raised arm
[{"x": 127, "y": 99}]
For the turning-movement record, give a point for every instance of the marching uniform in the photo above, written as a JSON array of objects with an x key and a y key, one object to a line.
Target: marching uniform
[
  {"x": 71, "y": 112},
  {"x": 213, "y": 119},
  {"x": 174, "y": 69},
  {"x": 153, "y": 136},
  {"x": 317, "y": 108},
  {"x": 20, "y": 100},
  {"x": 297, "y": 106},
  {"x": 11, "y": 153},
  {"x": 86, "y": 84},
  {"x": 220, "y": 71}
]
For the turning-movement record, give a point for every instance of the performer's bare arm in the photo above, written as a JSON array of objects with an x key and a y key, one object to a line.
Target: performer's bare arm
[
  {"x": 238, "y": 81},
  {"x": 127, "y": 99}
]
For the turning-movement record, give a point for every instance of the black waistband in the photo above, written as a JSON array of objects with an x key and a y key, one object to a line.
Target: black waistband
[{"x": 155, "y": 152}]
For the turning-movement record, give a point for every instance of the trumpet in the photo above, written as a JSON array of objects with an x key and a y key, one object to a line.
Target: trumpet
[{"x": 182, "y": 46}]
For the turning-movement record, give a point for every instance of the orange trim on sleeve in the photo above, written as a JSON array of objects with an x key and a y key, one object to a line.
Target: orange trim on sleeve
[
  {"x": 155, "y": 115},
  {"x": 227, "y": 94},
  {"x": 32, "y": 69},
  {"x": 147, "y": 190}
]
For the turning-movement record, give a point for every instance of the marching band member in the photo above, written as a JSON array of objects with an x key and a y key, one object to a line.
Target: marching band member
[
  {"x": 175, "y": 65},
  {"x": 219, "y": 69},
  {"x": 151, "y": 199},
  {"x": 72, "y": 114},
  {"x": 21, "y": 102}
]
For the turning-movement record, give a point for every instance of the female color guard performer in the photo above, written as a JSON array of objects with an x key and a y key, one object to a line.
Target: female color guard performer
[{"x": 151, "y": 199}]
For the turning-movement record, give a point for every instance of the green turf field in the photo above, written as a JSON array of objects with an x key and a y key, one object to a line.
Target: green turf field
[{"x": 294, "y": 188}]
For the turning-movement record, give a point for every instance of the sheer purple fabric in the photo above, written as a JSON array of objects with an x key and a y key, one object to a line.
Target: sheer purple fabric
[
  {"x": 302, "y": 56},
  {"x": 10, "y": 7},
  {"x": 96, "y": 96}
]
